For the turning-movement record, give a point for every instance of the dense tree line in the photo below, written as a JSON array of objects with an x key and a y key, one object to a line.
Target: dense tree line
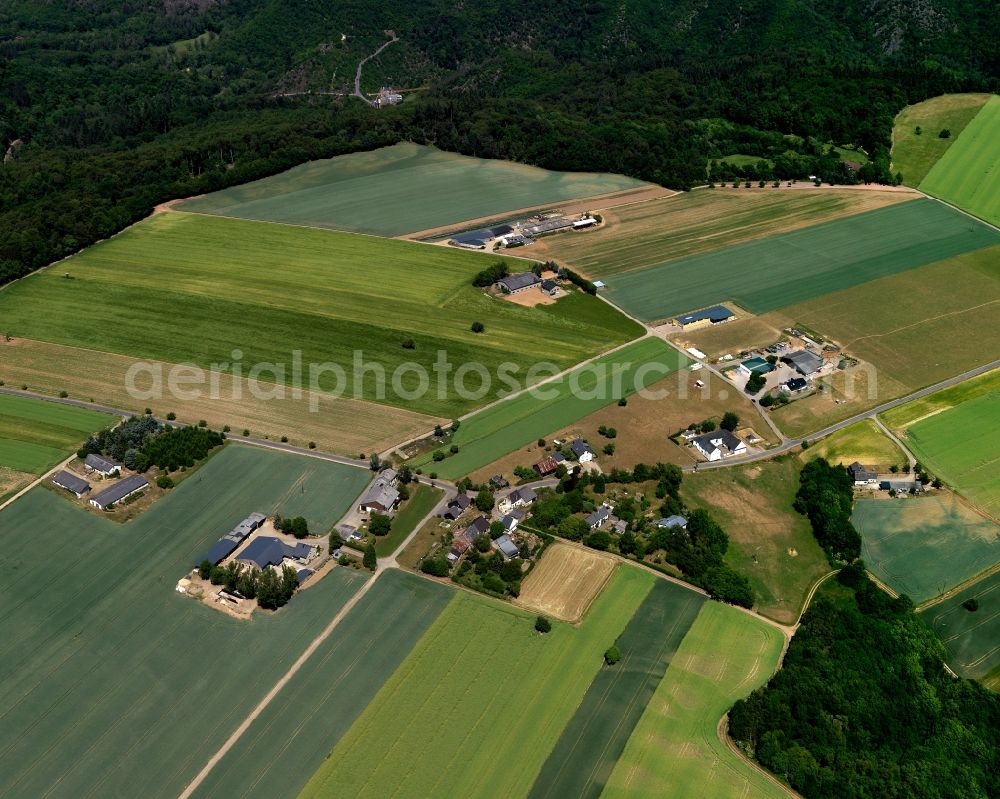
[
  {"x": 863, "y": 707},
  {"x": 826, "y": 496},
  {"x": 179, "y": 446},
  {"x": 116, "y": 107},
  {"x": 270, "y": 588},
  {"x": 124, "y": 442}
]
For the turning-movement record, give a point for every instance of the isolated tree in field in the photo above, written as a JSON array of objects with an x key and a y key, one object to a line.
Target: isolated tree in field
[
  {"x": 612, "y": 655},
  {"x": 379, "y": 524},
  {"x": 485, "y": 501},
  {"x": 730, "y": 421},
  {"x": 543, "y": 625},
  {"x": 944, "y": 134},
  {"x": 918, "y": 130},
  {"x": 370, "y": 560},
  {"x": 477, "y": 327}
]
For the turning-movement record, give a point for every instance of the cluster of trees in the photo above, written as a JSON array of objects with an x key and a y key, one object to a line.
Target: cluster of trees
[
  {"x": 576, "y": 279},
  {"x": 863, "y": 706},
  {"x": 491, "y": 274},
  {"x": 826, "y": 496},
  {"x": 293, "y": 525},
  {"x": 271, "y": 589},
  {"x": 489, "y": 573},
  {"x": 177, "y": 447},
  {"x": 124, "y": 442}
]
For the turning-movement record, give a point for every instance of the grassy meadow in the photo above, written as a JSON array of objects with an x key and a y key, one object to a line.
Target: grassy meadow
[
  {"x": 401, "y": 189},
  {"x": 924, "y": 546},
  {"x": 478, "y": 704},
  {"x": 36, "y": 435},
  {"x": 961, "y": 446},
  {"x": 972, "y": 638},
  {"x": 862, "y": 442},
  {"x": 184, "y": 288},
  {"x": 675, "y": 749},
  {"x": 768, "y": 541},
  {"x": 647, "y": 234},
  {"x": 113, "y": 684},
  {"x": 902, "y": 416},
  {"x": 501, "y": 428},
  {"x": 588, "y": 749},
  {"x": 421, "y": 502},
  {"x": 294, "y": 735},
  {"x": 914, "y": 154},
  {"x": 968, "y": 174},
  {"x": 804, "y": 264}
]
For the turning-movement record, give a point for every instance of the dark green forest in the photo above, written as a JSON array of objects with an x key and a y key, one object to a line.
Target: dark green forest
[
  {"x": 112, "y": 107},
  {"x": 863, "y": 706}
]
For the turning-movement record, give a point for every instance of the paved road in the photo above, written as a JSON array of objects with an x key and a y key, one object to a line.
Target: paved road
[{"x": 361, "y": 64}]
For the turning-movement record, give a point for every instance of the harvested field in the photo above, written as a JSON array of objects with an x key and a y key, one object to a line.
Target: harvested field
[
  {"x": 962, "y": 447},
  {"x": 480, "y": 691},
  {"x": 509, "y": 424},
  {"x": 401, "y": 189},
  {"x": 925, "y": 545},
  {"x": 111, "y": 683},
  {"x": 972, "y": 638},
  {"x": 862, "y": 442},
  {"x": 295, "y": 734},
  {"x": 769, "y": 542},
  {"x": 12, "y": 481},
  {"x": 645, "y": 425},
  {"x": 36, "y": 435},
  {"x": 647, "y": 234},
  {"x": 913, "y": 154},
  {"x": 565, "y": 581},
  {"x": 675, "y": 749},
  {"x": 588, "y": 749},
  {"x": 302, "y": 307},
  {"x": 811, "y": 262},
  {"x": 343, "y": 426},
  {"x": 968, "y": 174}
]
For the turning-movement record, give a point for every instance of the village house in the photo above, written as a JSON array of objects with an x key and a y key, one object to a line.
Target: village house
[
  {"x": 381, "y": 496},
  {"x": 457, "y": 507},
  {"x": 598, "y": 517},
  {"x": 518, "y": 498},
  {"x": 507, "y": 547},
  {"x": 546, "y": 466},
  {"x": 581, "y": 449},
  {"x": 267, "y": 551},
  {"x": 672, "y": 521},
  {"x": 861, "y": 475},
  {"x": 719, "y": 444}
]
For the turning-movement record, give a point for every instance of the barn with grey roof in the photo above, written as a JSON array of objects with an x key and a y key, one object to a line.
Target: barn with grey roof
[{"x": 123, "y": 489}]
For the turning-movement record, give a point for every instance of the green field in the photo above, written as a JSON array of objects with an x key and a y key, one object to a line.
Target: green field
[
  {"x": 590, "y": 745},
  {"x": 479, "y": 703},
  {"x": 903, "y": 416},
  {"x": 508, "y": 425},
  {"x": 35, "y": 435},
  {"x": 420, "y": 503},
  {"x": 962, "y": 447},
  {"x": 922, "y": 547},
  {"x": 968, "y": 174},
  {"x": 185, "y": 288},
  {"x": 113, "y": 684},
  {"x": 294, "y": 735},
  {"x": 972, "y": 639},
  {"x": 913, "y": 155},
  {"x": 675, "y": 750},
  {"x": 861, "y": 441},
  {"x": 769, "y": 541},
  {"x": 401, "y": 189},
  {"x": 792, "y": 267}
]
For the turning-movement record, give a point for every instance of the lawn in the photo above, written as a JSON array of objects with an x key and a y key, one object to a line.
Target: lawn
[
  {"x": 863, "y": 442},
  {"x": 478, "y": 704},
  {"x": 590, "y": 745},
  {"x": 924, "y": 546},
  {"x": 914, "y": 154},
  {"x": 675, "y": 749},
  {"x": 294, "y": 735},
  {"x": 344, "y": 426},
  {"x": 112, "y": 683},
  {"x": 401, "y": 189},
  {"x": 35, "y": 435},
  {"x": 499, "y": 429},
  {"x": 784, "y": 269},
  {"x": 184, "y": 288},
  {"x": 971, "y": 638},
  {"x": 968, "y": 174},
  {"x": 768, "y": 541},
  {"x": 962, "y": 447},
  {"x": 649, "y": 233},
  {"x": 421, "y": 502}
]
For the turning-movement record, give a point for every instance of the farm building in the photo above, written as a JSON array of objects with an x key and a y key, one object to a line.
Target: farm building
[
  {"x": 582, "y": 450},
  {"x": 902, "y": 486},
  {"x": 535, "y": 229},
  {"x": 804, "y": 362},
  {"x": 101, "y": 465},
  {"x": 515, "y": 284},
  {"x": 709, "y": 316},
  {"x": 456, "y": 507},
  {"x": 549, "y": 288},
  {"x": 507, "y": 547},
  {"x": 719, "y": 444},
  {"x": 546, "y": 466},
  {"x": 75, "y": 485},
  {"x": 267, "y": 551},
  {"x": 381, "y": 496},
  {"x": 794, "y": 385},
  {"x": 584, "y": 222},
  {"x": 671, "y": 522},
  {"x": 598, "y": 517},
  {"x": 119, "y": 491},
  {"x": 756, "y": 365},
  {"x": 226, "y": 545},
  {"x": 862, "y": 475}
]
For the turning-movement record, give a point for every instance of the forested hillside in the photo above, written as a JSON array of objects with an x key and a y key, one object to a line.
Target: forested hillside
[{"x": 110, "y": 107}]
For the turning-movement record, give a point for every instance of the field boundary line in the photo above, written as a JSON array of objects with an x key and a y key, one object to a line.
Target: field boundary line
[
  {"x": 969, "y": 583},
  {"x": 276, "y": 689},
  {"x": 849, "y": 344}
]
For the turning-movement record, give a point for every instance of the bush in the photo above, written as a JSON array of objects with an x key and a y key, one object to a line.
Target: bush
[
  {"x": 379, "y": 524},
  {"x": 944, "y": 134},
  {"x": 165, "y": 481},
  {"x": 543, "y": 625},
  {"x": 312, "y": 445},
  {"x": 202, "y": 423},
  {"x": 171, "y": 416},
  {"x": 409, "y": 344},
  {"x": 205, "y": 569},
  {"x": 730, "y": 421},
  {"x": 370, "y": 560},
  {"x": 755, "y": 383},
  {"x": 64, "y": 394},
  {"x": 612, "y": 655},
  {"x": 477, "y": 327},
  {"x": 971, "y": 604}
]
